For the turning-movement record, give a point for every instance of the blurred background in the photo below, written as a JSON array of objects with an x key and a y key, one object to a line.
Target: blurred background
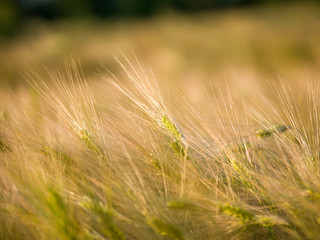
[{"x": 184, "y": 41}]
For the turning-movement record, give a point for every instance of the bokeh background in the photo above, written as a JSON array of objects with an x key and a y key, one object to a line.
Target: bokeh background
[{"x": 185, "y": 42}]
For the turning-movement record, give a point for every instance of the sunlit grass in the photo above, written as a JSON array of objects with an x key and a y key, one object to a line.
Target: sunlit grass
[
  {"x": 204, "y": 146},
  {"x": 92, "y": 168}
]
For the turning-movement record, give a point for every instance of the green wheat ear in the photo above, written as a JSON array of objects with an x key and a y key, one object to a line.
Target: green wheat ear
[
  {"x": 270, "y": 221},
  {"x": 59, "y": 213},
  {"x": 165, "y": 228},
  {"x": 179, "y": 149},
  {"x": 90, "y": 142},
  {"x": 171, "y": 127},
  {"x": 105, "y": 217},
  {"x": 242, "y": 214},
  {"x": 264, "y": 133},
  {"x": 177, "y": 144}
]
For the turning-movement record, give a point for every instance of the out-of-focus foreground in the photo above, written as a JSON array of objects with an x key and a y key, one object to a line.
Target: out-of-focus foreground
[{"x": 219, "y": 141}]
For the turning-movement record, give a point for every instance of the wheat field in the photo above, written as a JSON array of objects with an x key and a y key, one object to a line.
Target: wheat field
[
  {"x": 207, "y": 129},
  {"x": 79, "y": 166}
]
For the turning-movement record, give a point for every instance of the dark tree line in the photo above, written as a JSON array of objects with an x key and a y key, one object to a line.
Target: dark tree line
[{"x": 14, "y": 12}]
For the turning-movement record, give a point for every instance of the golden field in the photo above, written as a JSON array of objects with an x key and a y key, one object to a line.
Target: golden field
[{"x": 201, "y": 126}]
